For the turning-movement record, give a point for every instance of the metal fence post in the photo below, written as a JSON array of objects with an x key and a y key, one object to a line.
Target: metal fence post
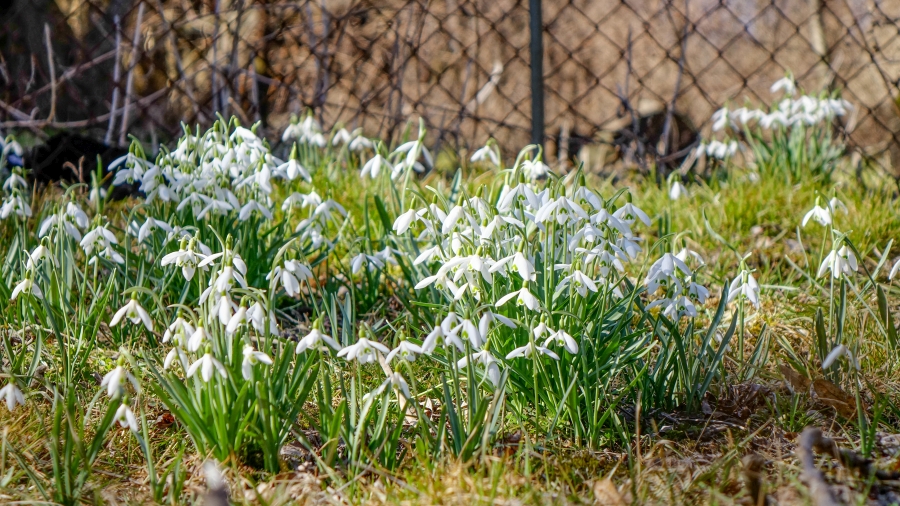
[{"x": 537, "y": 73}]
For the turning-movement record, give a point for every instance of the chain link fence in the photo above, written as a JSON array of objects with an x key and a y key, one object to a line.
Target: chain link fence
[{"x": 464, "y": 66}]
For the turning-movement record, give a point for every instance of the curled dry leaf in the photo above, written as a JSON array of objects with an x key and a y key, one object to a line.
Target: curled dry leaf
[
  {"x": 797, "y": 381},
  {"x": 606, "y": 493},
  {"x": 832, "y": 395}
]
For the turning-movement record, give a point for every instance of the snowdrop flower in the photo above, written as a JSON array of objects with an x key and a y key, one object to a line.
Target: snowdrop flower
[
  {"x": 125, "y": 416},
  {"x": 114, "y": 381},
  {"x": 15, "y": 181},
  {"x": 179, "y": 330},
  {"x": 373, "y": 262},
  {"x": 485, "y": 153},
  {"x": 836, "y": 353},
  {"x": 315, "y": 339},
  {"x": 675, "y": 308},
  {"x": 523, "y": 298},
  {"x": 39, "y": 253},
  {"x": 251, "y": 358},
  {"x": 466, "y": 330},
  {"x": 28, "y": 287},
  {"x": 342, "y": 136},
  {"x": 359, "y": 141},
  {"x": 719, "y": 119},
  {"x": 535, "y": 169},
  {"x": 252, "y": 206},
  {"x": 486, "y": 361},
  {"x": 744, "y": 285},
  {"x": 290, "y": 275},
  {"x": 519, "y": 264},
  {"x": 396, "y": 382},
  {"x": 15, "y": 205},
  {"x": 406, "y": 351},
  {"x": 257, "y": 315},
  {"x": 529, "y": 349},
  {"x": 677, "y": 190},
  {"x": 207, "y": 365},
  {"x": 579, "y": 281},
  {"x": 97, "y": 239},
  {"x": 562, "y": 337},
  {"x": 443, "y": 335},
  {"x": 144, "y": 231},
  {"x": 186, "y": 257},
  {"x": 292, "y": 169},
  {"x": 629, "y": 213},
  {"x": 12, "y": 395},
  {"x": 373, "y": 167},
  {"x": 785, "y": 84},
  {"x": 198, "y": 337},
  {"x": 839, "y": 262},
  {"x": 819, "y": 214},
  {"x": 404, "y": 221},
  {"x": 895, "y": 269},
  {"x": 665, "y": 271},
  {"x": 134, "y": 312},
  {"x": 364, "y": 351},
  {"x": 686, "y": 253}
]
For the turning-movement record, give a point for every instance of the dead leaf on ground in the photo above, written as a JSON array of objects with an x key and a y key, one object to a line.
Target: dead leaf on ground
[
  {"x": 606, "y": 493},
  {"x": 797, "y": 381},
  {"x": 832, "y": 395}
]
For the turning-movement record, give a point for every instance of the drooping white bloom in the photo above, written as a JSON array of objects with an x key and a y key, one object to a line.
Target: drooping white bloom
[
  {"x": 179, "y": 331},
  {"x": 836, "y": 353},
  {"x": 518, "y": 264},
  {"x": 744, "y": 284},
  {"x": 134, "y": 312},
  {"x": 523, "y": 298},
  {"x": 143, "y": 231},
  {"x": 404, "y": 221},
  {"x": 785, "y": 84},
  {"x": 186, "y": 258},
  {"x": 252, "y": 206},
  {"x": 12, "y": 395},
  {"x": 28, "y": 287},
  {"x": 895, "y": 269},
  {"x": 291, "y": 275},
  {"x": 580, "y": 281},
  {"x": 629, "y": 213},
  {"x": 251, "y": 358},
  {"x": 125, "y": 416},
  {"x": 314, "y": 341},
  {"x": 485, "y": 153},
  {"x": 819, "y": 214},
  {"x": 405, "y": 351},
  {"x": 529, "y": 349},
  {"x": 840, "y": 262},
  {"x": 373, "y": 167},
  {"x": 364, "y": 351},
  {"x": 37, "y": 255},
  {"x": 563, "y": 338},
  {"x": 257, "y": 315},
  {"x": 486, "y": 361},
  {"x": 15, "y": 204},
  {"x": 677, "y": 190},
  {"x": 97, "y": 239},
  {"x": 198, "y": 337},
  {"x": 396, "y": 382},
  {"x": 291, "y": 170},
  {"x": 207, "y": 364},
  {"x": 114, "y": 381}
]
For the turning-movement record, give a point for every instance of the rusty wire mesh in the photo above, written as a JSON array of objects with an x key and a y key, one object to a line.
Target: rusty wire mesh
[{"x": 463, "y": 65}]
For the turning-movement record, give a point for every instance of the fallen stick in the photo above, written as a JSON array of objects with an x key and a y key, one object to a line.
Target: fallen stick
[{"x": 813, "y": 441}]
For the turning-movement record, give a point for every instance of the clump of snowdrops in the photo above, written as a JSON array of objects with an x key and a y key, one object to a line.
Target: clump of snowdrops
[
  {"x": 532, "y": 302},
  {"x": 792, "y": 138}
]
